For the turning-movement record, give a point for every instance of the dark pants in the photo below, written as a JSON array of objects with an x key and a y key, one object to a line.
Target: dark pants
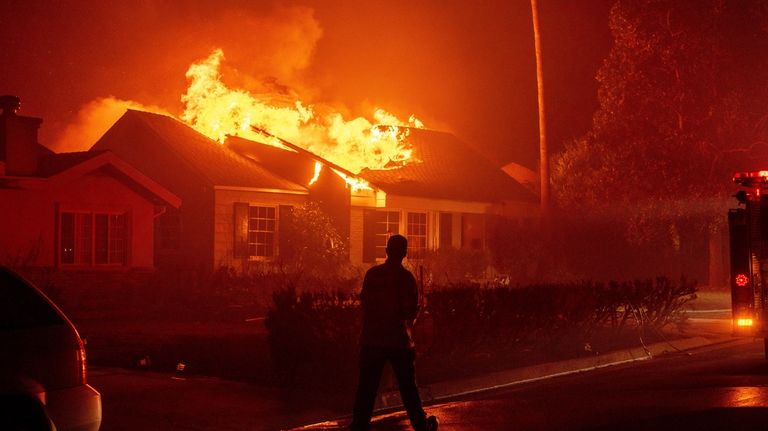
[{"x": 372, "y": 360}]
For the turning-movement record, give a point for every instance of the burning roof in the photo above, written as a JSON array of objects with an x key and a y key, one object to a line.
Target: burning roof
[
  {"x": 217, "y": 111},
  {"x": 448, "y": 169},
  {"x": 148, "y": 141}
]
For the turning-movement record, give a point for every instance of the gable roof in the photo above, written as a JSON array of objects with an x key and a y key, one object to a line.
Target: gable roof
[
  {"x": 62, "y": 167},
  {"x": 292, "y": 165},
  {"x": 447, "y": 168},
  {"x": 78, "y": 164},
  {"x": 137, "y": 134},
  {"x": 291, "y": 161},
  {"x": 52, "y": 164}
]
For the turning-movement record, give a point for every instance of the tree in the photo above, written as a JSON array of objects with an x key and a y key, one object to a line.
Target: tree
[
  {"x": 677, "y": 106},
  {"x": 312, "y": 246},
  {"x": 681, "y": 107}
]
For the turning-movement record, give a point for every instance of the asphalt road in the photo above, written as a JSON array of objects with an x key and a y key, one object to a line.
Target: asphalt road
[{"x": 721, "y": 387}]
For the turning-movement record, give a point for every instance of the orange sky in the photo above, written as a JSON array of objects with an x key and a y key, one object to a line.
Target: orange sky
[{"x": 461, "y": 66}]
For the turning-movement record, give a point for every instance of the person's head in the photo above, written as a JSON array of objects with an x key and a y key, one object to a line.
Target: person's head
[{"x": 397, "y": 247}]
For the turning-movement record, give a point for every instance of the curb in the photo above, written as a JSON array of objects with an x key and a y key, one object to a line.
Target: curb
[{"x": 502, "y": 379}]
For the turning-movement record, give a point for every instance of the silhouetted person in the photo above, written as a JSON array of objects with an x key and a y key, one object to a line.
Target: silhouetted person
[{"x": 390, "y": 302}]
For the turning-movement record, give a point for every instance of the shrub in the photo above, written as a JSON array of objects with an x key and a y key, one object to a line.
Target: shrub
[{"x": 313, "y": 336}]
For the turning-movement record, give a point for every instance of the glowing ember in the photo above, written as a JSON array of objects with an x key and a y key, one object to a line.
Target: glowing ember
[{"x": 216, "y": 111}]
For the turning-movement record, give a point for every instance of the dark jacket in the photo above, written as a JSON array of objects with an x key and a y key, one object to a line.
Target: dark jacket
[{"x": 390, "y": 301}]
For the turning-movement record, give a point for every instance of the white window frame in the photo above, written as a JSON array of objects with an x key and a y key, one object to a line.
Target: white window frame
[
  {"x": 256, "y": 230},
  {"x": 381, "y": 253},
  {"x": 418, "y": 242},
  {"x": 78, "y": 237}
]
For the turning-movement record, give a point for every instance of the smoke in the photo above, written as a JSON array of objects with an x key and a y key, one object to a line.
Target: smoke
[
  {"x": 271, "y": 49},
  {"x": 267, "y": 51},
  {"x": 95, "y": 118}
]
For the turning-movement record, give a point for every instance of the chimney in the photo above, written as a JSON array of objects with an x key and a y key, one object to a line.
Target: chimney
[{"x": 18, "y": 139}]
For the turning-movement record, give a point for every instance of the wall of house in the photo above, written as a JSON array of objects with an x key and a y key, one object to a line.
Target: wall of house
[
  {"x": 458, "y": 210},
  {"x": 224, "y": 235},
  {"x": 333, "y": 197},
  {"x": 356, "y": 235},
  {"x": 470, "y": 221},
  {"x": 29, "y": 222},
  {"x": 196, "y": 232}
]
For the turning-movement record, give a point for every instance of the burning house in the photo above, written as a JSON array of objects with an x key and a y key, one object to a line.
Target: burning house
[
  {"x": 231, "y": 206},
  {"x": 236, "y": 194},
  {"x": 449, "y": 197},
  {"x": 446, "y": 195},
  {"x": 82, "y": 211}
]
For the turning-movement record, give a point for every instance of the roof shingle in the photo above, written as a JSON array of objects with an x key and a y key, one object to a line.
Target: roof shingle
[
  {"x": 214, "y": 162},
  {"x": 447, "y": 168}
]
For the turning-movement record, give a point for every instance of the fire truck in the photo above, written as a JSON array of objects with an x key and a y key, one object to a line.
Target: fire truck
[{"x": 748, "y": 232}]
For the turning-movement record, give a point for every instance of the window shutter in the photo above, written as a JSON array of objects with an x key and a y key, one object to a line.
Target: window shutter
[
  {"x": 283, "y": 224},
  {"x": 240, "y": 229},
  {"x": 446, "y": 230},
  {"x": 369, "y": 236}
]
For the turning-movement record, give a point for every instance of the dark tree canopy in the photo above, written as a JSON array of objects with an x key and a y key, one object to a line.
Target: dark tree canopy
[{"x": 683, "y": 100}]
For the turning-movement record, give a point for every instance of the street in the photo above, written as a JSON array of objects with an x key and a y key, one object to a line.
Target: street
[
  {"x": 721, "y": 386},
  {"x": 713, "y": 388}
]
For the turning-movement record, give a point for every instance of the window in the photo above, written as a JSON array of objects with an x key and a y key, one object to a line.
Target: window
[
  {"x": 417, "y": 235},
  {"x": 261, "y": 232},
  {"x": 93, "y": 239},
  {"x": 387, "y": 224}
]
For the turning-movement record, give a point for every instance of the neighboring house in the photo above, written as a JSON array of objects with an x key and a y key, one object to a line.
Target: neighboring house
[
  {"x": 231, "y": 206},
  {"x": 81, "y": 211}
]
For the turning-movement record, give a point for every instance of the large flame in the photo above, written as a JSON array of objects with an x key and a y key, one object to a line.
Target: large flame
[{"x": 216, "y": 111}]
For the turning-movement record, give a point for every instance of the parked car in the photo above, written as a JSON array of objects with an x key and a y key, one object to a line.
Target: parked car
[{"x": 43, "y": 373}]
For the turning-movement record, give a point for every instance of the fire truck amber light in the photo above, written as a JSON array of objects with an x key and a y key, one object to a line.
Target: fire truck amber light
[{"x": 743, "y": 322}]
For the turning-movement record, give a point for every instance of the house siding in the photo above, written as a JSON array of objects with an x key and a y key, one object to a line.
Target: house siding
[
  {"x": 468, "y": 220},
  {"x": 28, "y": 233},
  {"x": 356, "y": 235}
]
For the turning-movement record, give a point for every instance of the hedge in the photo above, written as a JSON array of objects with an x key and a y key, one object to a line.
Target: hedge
[{"x": 313, "y": 336}]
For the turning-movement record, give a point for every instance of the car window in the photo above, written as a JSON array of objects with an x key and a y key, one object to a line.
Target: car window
[{"x": 21, "y": 306}]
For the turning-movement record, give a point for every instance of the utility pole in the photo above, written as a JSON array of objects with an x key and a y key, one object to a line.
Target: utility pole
[{"x": 543, "y": 153}]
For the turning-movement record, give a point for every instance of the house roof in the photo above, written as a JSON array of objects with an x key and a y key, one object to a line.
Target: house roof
[
  {"x": 62, "y": 167},
  {"x": 73, "y": 165},
  {"x": 52, "y": 164},
  {"x": 292, "y": 165},
  {"x": 447, "y": 168},
  {"x": 137, "y": 134},
  {"x": 291, "y": 161}
]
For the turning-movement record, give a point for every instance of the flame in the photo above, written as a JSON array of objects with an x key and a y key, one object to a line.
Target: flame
[
  {"x": 216, "y": 111},
  {"x": 355, "y": 183},
  {"x": 318, "y": 168}
]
